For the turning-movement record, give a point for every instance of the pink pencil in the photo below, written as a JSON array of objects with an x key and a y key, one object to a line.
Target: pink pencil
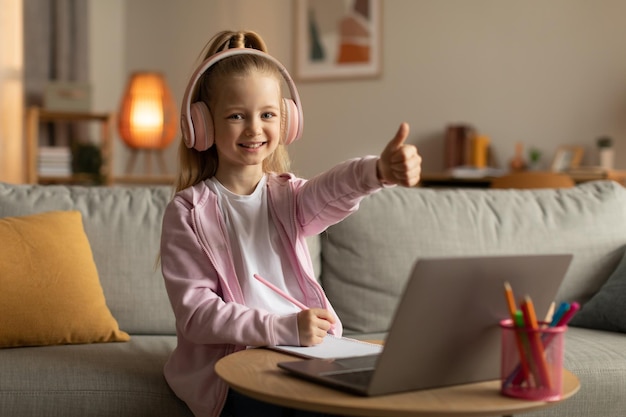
[{"x": 280, "y": 292}]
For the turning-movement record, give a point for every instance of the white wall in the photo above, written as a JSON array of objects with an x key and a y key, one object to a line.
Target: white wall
[
  {"x": 543, "y": 72},
  {"x": 107, "y": 68}
]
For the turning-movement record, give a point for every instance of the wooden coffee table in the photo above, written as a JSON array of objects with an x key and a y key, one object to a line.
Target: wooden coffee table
[{"x": 254, "y": 373}]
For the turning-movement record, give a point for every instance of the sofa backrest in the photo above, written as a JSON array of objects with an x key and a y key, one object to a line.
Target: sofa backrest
[
  {"x": 123, "y": 225},
  {"x": 367, "y": 258}
]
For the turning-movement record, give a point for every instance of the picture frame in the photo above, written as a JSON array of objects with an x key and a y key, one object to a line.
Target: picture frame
[
  {"x": 337, "y": 39},
  {"x": 567, "y": 157}
]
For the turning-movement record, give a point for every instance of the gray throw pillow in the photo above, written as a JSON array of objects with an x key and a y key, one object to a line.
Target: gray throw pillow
[{"x": 606, "y": 310}]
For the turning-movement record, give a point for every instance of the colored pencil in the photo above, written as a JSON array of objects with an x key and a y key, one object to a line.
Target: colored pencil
[
  {"x": 530, "y": 319},
  {"x": 510, "y": 300}
]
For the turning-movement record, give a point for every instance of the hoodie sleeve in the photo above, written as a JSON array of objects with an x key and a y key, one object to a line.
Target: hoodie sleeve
[{"x": 333, "y": 195}]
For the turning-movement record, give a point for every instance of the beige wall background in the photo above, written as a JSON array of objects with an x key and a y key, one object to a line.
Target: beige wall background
[{"x": 543, "y": 72}]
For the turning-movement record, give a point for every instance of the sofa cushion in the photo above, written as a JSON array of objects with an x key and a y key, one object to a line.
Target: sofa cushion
[
  {"x": 123, "y": 225},
  {"x": 51, "y": 292},
  {"x": 607, "y": 308},
  {"x": 367, "y": 258},
  {"x": 94, "y": 380}
]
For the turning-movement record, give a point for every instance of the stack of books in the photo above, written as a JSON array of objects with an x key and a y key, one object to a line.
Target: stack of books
[
  {"x": 467, "y": 171},
  {"x": 589, "y": 172},
  {"x": 55, "y": 161}
]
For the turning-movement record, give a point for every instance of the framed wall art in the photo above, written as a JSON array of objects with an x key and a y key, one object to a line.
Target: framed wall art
[
  {"x": 337, "y": 39},
  {"x": 567, "y": 157}
]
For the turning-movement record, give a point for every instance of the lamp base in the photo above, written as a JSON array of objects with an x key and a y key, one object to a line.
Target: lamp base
[{"x": 158, "y": 153}]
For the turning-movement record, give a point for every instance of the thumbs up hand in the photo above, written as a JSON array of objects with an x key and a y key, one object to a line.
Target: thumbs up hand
[{"x": 399, "y": 163}]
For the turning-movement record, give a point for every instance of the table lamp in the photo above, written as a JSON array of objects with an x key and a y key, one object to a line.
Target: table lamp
[{"x": 147, "y": 118}]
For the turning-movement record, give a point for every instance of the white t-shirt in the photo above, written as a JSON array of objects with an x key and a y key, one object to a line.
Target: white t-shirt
[{"x": 256, "y": 248}]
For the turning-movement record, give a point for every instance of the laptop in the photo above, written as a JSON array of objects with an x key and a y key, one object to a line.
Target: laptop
[{"x": 445, "y": 328}]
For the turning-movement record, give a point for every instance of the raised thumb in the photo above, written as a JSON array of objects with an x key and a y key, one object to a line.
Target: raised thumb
[{"x": 401, "y": 135}]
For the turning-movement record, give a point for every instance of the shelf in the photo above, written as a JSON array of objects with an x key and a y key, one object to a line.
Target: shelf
[
  {"x": 445, "y": 179},
  {"x": 35, "y": 116}
]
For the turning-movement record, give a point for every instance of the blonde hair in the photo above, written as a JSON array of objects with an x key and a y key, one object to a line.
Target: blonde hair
[{"x": 196, "y": 166}]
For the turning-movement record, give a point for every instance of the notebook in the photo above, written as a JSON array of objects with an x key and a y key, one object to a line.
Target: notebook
[
  {"x": 445, "y": 329},
  {"x": 332, "y": 347}
]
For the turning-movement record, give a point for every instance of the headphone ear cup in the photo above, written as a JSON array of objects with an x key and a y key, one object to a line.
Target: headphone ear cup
[
  {"x": 203, "y": 129},
  {"x": 291, "y": 120}
]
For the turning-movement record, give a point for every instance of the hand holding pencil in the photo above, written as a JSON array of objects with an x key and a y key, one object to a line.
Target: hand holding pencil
[{"x": 313, "y": 323}]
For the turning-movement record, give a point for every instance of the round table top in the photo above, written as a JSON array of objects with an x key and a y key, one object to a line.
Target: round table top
[{"x": 254, "y": 372}]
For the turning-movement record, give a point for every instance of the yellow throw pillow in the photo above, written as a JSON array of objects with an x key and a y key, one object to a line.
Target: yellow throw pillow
[{"x": 50, "y": 292}]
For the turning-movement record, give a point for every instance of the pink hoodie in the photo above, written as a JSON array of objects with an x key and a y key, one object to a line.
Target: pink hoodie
[{"x": 212, "y": 319}]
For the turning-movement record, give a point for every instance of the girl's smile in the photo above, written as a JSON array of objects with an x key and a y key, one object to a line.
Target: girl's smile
[{"x": 253, "y": 145}]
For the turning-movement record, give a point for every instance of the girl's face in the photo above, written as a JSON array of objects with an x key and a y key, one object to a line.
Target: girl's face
[{"x": 247, "y": 122}]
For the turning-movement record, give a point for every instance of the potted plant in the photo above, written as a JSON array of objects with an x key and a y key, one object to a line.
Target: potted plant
[
  {"x": 87, "y": 160},
  {"x": 534, "y": 156}
]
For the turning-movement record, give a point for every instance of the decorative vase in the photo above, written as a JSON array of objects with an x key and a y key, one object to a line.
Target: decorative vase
[
  {"x": 607, "y": 157},
  {"x": 517, "y": 163}
]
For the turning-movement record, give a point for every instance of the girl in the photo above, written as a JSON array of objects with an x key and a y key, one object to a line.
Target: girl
[{"x": 237, "y": 212}]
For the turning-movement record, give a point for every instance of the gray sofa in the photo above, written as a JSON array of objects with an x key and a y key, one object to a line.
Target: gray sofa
[{"x": 362, "y": 261}]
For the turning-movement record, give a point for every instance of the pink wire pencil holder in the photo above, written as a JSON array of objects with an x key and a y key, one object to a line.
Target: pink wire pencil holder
[{"x": 532, "y": 361}]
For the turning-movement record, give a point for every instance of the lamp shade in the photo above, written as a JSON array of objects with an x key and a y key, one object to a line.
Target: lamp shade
[{"x": 147, "y": 118}]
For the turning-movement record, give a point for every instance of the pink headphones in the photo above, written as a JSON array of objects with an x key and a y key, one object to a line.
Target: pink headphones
[{"x": 196, "y": 119}]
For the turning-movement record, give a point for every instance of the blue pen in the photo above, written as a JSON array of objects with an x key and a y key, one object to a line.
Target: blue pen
[
  {"x": 563, "y": 307},
  {"x": 565, "y": 318},
  {"x": 573, "y": 309}
]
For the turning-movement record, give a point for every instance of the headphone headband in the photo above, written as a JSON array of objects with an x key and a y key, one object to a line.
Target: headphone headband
[{"x": 187, "y": 124}]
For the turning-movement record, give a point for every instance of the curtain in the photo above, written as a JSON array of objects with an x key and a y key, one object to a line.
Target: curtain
[{"x": 55, "y": 49}]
